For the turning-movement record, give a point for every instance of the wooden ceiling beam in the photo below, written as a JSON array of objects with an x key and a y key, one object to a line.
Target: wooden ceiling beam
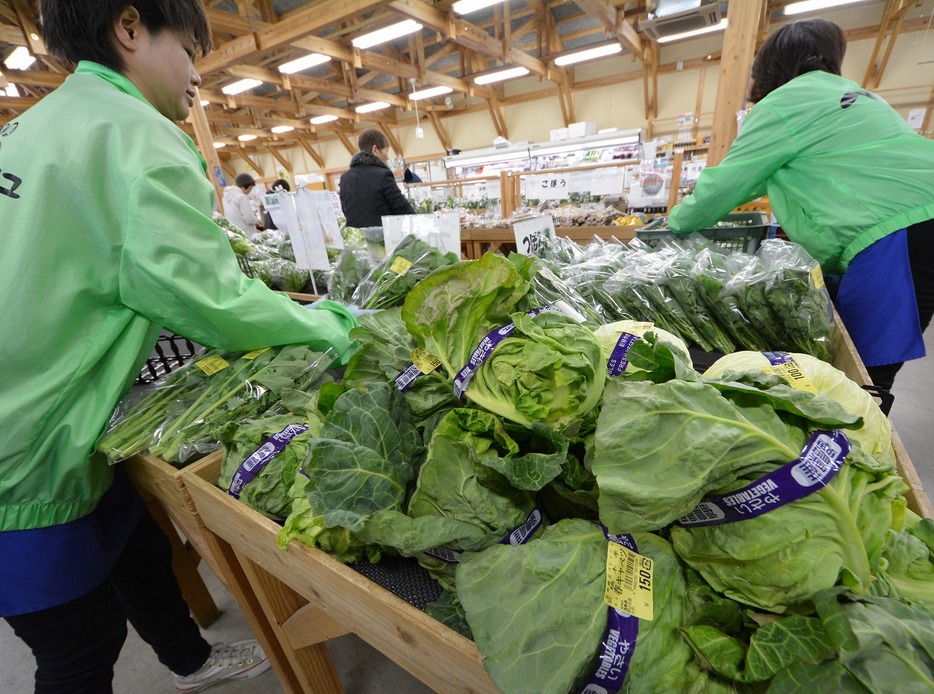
[
  {"x": 35, "y": 77},
  {"x": 312, "y": 152},
  {"x": 889, "y": 29},
  {"x": 440, "y": 130},
  {"x": 348, "y": 145},
  {"x": 286, "y": 164},
  {"x": 614, "y": 22},
  {"x": 255, "y": 165}
]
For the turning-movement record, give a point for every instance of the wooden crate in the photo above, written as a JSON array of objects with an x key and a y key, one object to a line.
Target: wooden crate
[
  {"x": 311, "y": 596},
  {"x": 167, "y": 496}
]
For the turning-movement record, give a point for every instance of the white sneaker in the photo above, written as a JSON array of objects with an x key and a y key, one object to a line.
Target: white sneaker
[{"x": 232, "y": 661}]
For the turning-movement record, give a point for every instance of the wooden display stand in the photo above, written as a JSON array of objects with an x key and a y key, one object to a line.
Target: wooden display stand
[
  {"x": 307, "y": 596},
  {"x": 310, "y": 597},
  {"x": 163, "y": 487}
]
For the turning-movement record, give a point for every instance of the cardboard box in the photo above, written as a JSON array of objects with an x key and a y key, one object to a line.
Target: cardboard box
[{"x": 582, "y": 129}]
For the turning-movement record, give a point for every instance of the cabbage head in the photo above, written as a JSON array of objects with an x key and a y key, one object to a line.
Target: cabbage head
[
  {"x": 549, "y": 370},
  {"x": 609, "y": 334},
  {"x": 875, "y": 436},
  {"x": 537, "y": 614},
  {"x": 784, "y": 557}
]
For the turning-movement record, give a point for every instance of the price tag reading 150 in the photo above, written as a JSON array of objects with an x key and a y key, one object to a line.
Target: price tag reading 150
[
  {"x": 533, "y": 235},
  {"x": 629, "y": 581}
]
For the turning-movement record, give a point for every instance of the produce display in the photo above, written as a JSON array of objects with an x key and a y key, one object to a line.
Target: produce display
[
  {"x": 715, "y": 300},
  {"x": 268, "y": 256},
  {"x": 601, "y": 515}
]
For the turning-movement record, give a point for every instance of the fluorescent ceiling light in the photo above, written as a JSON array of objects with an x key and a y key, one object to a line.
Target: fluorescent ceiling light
[
  {"x": 205, "y": 102},
  {"x": 372, "y": 106},
  {"x": 318, "y": 120},
  {"x": 282, "y": 129},
  {"x": 696, "y": 32},
  {"x": 500, "y": 75},
  {"x": 814, "y": 5},
  {"x": 493, "y": 158},
  {"x": 612, "y": 142},
  {"x": 589, "y": 54},
  {"x": 303, "y": 63},
  {"x": 241, "y": 86},
  {"x": 393, "y": 31},
  {"x": 430, "y": 92},
  {"x": 218, "y": 145},
  {"x": 11, "y": 90},
  {"x": 468, "y": 6},
  {"x": 246, "y": 138},
  {"x": 19, "y": 59}
]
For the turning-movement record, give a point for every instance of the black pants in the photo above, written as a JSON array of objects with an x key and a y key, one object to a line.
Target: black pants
[
  {"x": 921, "y": 259},
  {"x": 77, "y": 644}
]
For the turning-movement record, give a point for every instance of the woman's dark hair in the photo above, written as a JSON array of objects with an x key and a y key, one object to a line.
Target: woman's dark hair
[
  {"x": 370, "y": 137},
  {"x": 76, "y": 30},
  {"x": 280, "y": 184},
  {"x": 794, "y": 49}
]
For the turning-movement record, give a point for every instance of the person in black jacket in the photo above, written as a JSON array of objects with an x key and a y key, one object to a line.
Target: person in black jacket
[{"x": 368, "y": 189}]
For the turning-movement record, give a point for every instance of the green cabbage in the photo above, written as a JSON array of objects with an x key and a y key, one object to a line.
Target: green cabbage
[
  {"x": 874, "y": 437},
  {"x": 549, "y": 370}
]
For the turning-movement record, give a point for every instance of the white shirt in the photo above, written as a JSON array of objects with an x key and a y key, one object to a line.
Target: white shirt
[{"x": 238, "y": 210}]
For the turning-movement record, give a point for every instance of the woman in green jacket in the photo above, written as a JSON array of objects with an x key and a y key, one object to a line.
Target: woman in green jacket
[
  {"x": 108, "y": 238},
  {"x": 847, "y": 179}
]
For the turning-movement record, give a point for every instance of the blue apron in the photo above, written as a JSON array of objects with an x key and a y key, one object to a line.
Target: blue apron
[
  {"x": 877, "y": 303},
  {"x": 47, "y": 567}
]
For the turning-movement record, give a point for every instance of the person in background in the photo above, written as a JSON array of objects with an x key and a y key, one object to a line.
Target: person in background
[
  {"x": 368, "y": 189},
  {"x": 280, "y": 185},
  {"x": 410, "y": 176},
  {"x": 119, "y": 194},
  {"x": 847, "y": 179},
  {"x": 237, "y": 206}
]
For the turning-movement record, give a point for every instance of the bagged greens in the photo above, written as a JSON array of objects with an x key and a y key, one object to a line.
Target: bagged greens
[
  {"x": 390, "y": 281},
  {"x": 181, "y": 415}
]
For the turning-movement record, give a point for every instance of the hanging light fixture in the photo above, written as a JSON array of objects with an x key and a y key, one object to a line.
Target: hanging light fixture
[
  {"x": 393, "y": 31},
  {"x": 591, "y": 53}
]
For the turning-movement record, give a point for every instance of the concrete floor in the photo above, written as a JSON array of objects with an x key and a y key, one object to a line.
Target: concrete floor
[{"x": 362, "y": 669}]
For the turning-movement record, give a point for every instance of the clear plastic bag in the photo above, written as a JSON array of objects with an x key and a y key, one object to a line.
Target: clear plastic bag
[
  {"x": 798, "y": 296},
  {"x": 177, "y": 418},
  {"x": 390, "y": 280}
]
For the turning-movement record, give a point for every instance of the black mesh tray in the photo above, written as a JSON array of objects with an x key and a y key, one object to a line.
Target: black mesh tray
[
  {"x": 404, "y": 577},
  {"x": 171, "y": 352}
]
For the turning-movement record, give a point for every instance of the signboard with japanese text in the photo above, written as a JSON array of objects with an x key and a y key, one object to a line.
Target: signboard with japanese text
[{"x": 533, "y": 234}]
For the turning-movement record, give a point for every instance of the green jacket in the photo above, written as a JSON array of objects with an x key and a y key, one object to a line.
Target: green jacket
[
  {"x": 106, "y": 238},
  {"x": 841, "y": 168}
]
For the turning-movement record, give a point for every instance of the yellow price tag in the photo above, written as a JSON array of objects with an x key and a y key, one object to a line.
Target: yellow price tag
[
  {"x": 400, "y": 265},
  {"x": 793, "y": 375},
  {"x": 629, "y": 581},
  {"x": 212, "y": 365},
  {"x": 817, "y": 277},
  {"x": 255, "y": 353},
  {"x": 424, "y": 360}
]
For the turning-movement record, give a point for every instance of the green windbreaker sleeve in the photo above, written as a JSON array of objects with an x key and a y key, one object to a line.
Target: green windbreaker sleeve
[
  {"x": 764, "y": 145},
  {"x": 177, "y": 269}
]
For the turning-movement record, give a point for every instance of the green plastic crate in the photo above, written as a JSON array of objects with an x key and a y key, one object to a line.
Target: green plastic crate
[{"x": 743, "y": 231}]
